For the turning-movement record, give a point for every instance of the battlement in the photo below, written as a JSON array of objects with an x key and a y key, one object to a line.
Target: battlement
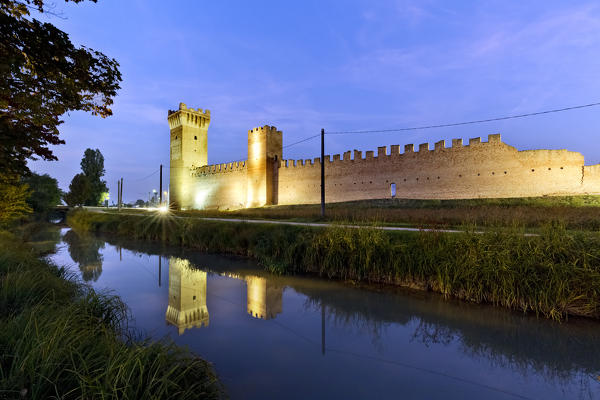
[
  {"x": 394, "y": 151},
  {"x": 218, "y": 168},
  {"x": 264, "y": 130},
  {"x": 189, "y": 117}
]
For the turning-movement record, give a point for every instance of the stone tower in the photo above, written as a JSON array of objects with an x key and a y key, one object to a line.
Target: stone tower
[
  {"x": 187, "y": 296},
  {"x": 264, "y": 298},
  {"x": 264, "y": 154},
  {"x": 188, "y": 148}
]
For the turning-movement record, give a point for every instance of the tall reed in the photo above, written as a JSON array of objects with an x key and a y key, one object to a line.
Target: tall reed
[
  {"x": 62, "y": 339},
  {"x": 554, "y": 274}
]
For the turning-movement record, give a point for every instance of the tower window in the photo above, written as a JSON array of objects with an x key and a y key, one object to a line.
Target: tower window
[{"x": 195, "y": 137}]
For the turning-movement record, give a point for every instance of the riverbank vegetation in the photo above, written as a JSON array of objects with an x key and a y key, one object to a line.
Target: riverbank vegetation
[
  {"x": 62, "y": 339},
  {"x": 554, "y": 274},
  {"x": 574, "y": 212}
]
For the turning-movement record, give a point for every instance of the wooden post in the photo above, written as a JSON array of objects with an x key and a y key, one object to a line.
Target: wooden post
[
  {"x": 118, "y": 195},
  {"x": 121, "y": 194},
  {"x": 322, "y": 173},
  {"x": 160, "y": 195}
]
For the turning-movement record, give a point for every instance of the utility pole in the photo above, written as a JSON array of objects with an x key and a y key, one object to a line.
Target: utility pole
[
  {"x": 121, "y": 194},
  {"x": 118, "y": 195},
  {"x": 161, "y": 193},
  {"x": 322, "y": 173}
]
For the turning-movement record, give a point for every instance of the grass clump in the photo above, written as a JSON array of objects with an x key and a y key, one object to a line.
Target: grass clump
[
  {"x": 554, "y": 274},
  {"x": 62, "y": 339}
]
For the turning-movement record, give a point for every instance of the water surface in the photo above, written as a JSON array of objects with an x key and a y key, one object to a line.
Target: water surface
[{"x": 296, "y": 337}]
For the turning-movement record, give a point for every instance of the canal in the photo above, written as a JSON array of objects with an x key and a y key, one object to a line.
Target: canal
[{"x": 298, "y": 337}]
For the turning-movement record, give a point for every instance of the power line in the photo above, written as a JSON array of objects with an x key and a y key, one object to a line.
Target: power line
[
  {"x": 302, "y": 141},
  {"x": 146, "y": 177},
  {"x": 467, "y": 122}
]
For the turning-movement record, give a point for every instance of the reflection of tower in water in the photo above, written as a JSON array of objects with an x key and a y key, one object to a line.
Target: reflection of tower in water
[
  {"x": 187, "y": 296},
  {"x": 264, "y": 298}
]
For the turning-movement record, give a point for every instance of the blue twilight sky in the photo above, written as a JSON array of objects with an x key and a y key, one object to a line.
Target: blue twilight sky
[{"x": 338, "y": 65}]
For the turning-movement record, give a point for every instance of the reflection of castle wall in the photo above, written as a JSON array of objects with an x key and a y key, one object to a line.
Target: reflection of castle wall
[
  {"x": 187, "y": 296},
  {"x": 264, "y": 298}
]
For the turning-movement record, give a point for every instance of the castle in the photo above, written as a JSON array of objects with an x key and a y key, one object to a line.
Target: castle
[{"x": 478, "y": 169}]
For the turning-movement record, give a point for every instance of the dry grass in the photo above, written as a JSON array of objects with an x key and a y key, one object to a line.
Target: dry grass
[{"x": 576, "y": 212}]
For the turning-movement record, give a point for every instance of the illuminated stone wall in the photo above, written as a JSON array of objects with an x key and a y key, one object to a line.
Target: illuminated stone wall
[
  {"x": 218, "y": 186},
  {"x": 479, "y": 169},
  {"x": 460, "y": 171},
  {"x": 188, "y": 149},
  {"x": 264, "y": 154}
]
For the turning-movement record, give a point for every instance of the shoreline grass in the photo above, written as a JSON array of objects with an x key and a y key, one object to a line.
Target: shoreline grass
[
  {"x": 62, "y": 339},
  {"x": 574, "y": 212},
  {"x": 555, "y": 274}
]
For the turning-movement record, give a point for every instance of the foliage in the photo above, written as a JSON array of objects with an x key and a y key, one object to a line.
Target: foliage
[
  {"x": 92, "y": 165},
  {"x": 555, "y": 274},
  {"x": 45, "y": 193},
  {"x": 140, "y": 203},
  {"x": 42, "y": 76},
  {"x": 61, "y": 339},
  {"x": 80, "y": 191},
  {"x": 14, "y": 198}
]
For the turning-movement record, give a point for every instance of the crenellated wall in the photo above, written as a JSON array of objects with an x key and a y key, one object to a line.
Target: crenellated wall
[
  {"x": 475, "y": 170},
  {"x": 479, "y": 169},
  {"x": 219, "y": 186},
  {"x": 457, "y": 171}
]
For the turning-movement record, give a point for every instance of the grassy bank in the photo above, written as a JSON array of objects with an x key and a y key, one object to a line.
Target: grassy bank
[
  {"x": 555, "y": 274},
  {"x": 62, "y": 339},
  {"x": 574, "y": 212}
]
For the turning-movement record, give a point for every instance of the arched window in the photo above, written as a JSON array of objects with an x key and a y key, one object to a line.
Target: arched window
[{"x": 393, "y": 189}]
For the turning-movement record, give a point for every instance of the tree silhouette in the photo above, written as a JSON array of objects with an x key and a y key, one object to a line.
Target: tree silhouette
[
  {"x": 42, "y": 76},
  {"x": 80, "y": 190},
  {"x": 45, "y": 193},
  {"x": 92, "y": 165}
]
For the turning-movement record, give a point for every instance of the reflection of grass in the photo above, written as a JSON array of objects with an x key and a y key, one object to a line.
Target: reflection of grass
[
  {"x": 504, "y": 338},
  {"x": 61, "y": 339},
  {"x": 554, "y": 274}
]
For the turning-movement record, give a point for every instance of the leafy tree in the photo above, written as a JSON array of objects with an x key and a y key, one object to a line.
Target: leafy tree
[
  {"x": 13, "y": 200},
  {"x": 45, "y": 193},
  {"x": 42, "y": 76},
  {"x": 80, "y": 190},
  {"x": 92, "y": 165},
  {"x": 140, "y": 203}
]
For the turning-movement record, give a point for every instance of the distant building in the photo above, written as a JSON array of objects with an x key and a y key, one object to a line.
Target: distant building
[{"x": 479, "y": 169}]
